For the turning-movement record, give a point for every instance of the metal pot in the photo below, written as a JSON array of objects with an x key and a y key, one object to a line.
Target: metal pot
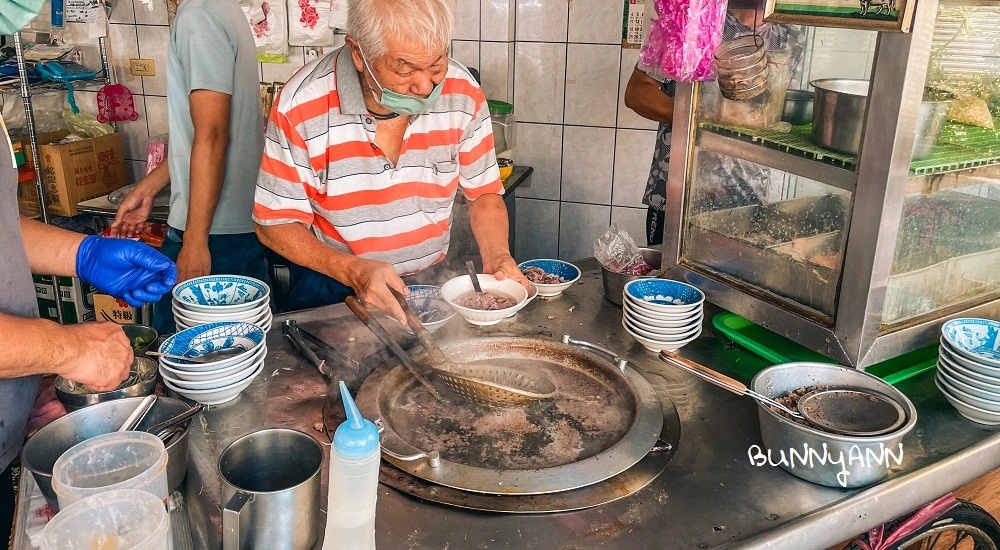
[
  {"x": 614, "y": 283},
  {"x": 839, "y": 113},
  {"x": 798, "y": 107},
  {"x": 780, "y": 434},
  {"x": 143, "y": 371},
  {"x": 43, "y": 449}
]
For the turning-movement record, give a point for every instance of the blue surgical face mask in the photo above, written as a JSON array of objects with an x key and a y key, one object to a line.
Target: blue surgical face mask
[{"x": 401, "y": 103}]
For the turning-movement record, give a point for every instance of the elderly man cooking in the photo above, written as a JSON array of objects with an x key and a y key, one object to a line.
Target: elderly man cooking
[{"x": 365, "y": 151}]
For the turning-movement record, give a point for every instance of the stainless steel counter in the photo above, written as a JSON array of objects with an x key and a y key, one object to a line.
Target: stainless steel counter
[{"x": 709, "y": 496}]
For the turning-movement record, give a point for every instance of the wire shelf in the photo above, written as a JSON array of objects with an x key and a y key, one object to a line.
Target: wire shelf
[
  {"x": 48, "y": 87},
  {"x": 959, "y": 147}
]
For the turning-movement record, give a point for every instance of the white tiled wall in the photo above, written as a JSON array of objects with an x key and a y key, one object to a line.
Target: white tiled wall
[{"x": 562, "y": 65}]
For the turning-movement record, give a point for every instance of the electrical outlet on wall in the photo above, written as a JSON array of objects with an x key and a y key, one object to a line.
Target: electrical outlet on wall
[{"x": 142, "y": 67}]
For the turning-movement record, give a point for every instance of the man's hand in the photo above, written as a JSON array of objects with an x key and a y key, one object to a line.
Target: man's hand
[
  {"x": 504, "y": 266},
  {"x": 125, "y": 269},
  {"x": 194, "y": 260},
  {"x": 371, "y": 281},
  {"x": 96, "y": 354},
  {"x": 133, "y": 213}
]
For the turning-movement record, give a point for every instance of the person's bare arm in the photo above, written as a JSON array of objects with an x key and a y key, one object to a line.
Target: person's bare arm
[
  {"x": 134, "y": 211},
  {"x": 210, "y": 112},
  {"x": 50, "y": 250},
  {"x": 96, "y": 354},
  {"x": 490, "y": 226},
  {"x": 370, "y": 279},
  {"x": 644, "y": 96}
]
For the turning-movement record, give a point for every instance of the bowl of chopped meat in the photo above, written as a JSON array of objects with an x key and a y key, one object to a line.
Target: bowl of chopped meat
[
  {"x": 499, "y": 299},
  {"x": 551, "y": 277},
  {"x": 432, "y": 309}
]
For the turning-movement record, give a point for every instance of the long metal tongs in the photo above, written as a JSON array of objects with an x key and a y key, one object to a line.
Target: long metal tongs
[{"x": 299, "y": 337}]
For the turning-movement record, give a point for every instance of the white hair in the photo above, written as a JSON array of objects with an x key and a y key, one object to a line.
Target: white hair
[{"x": 431, "y": 22}]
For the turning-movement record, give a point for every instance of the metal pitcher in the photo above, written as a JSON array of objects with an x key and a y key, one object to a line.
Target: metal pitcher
[{"x": 271, "y": 490}]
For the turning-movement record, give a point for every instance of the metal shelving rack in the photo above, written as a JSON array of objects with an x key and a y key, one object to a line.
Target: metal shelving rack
[
  {"x": 26, "y": 92},
  {"x": 878, "y": 180}
]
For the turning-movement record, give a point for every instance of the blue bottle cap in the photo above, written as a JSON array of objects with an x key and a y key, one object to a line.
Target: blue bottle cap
[{"x": 355, "y": 438}]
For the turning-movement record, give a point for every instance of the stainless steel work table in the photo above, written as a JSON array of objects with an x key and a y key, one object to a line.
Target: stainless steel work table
[{"x": 709, "y": 496}]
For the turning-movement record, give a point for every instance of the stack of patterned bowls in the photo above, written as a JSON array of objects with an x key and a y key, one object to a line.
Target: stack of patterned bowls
[
  {"x": 214, "y": 382},
  {"x": 968, "y": 370},
  {"x": 662, "y": 314},
  {"x": 219, "y": 298}
]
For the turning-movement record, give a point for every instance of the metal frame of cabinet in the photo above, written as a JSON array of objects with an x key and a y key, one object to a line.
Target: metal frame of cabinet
[
  {"x": 29, "y": 117},
  {"x": 854, "y": 335}
]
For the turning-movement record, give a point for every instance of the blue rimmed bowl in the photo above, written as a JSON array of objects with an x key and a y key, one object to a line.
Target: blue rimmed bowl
[
  {"x": 975, "y": 339},
  {"x": 432, "y": 309},
  {"x": 567, "y": 271},
  {"x": 204, "y": 339},
  {"x": 664, "y": 295},
  {"x": 221, "y": 294}
]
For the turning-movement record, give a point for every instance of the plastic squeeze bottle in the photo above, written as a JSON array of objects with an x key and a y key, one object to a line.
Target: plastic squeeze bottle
[{"x": 354, "y": 462}]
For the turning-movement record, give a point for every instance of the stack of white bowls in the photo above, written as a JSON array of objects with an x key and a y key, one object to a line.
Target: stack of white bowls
[
  {"x": 968, "y": 370},
  {"x": 214, "y": 382},
  {"x": 662, "y": 314},
  {"x": 219, "y": 298}
]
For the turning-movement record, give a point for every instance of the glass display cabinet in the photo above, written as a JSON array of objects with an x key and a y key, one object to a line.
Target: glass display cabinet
[{"x": 861, "y": 257}]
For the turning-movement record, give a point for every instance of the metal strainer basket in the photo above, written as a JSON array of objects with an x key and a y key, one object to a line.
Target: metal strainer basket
[{"x": 495, "y": 386}]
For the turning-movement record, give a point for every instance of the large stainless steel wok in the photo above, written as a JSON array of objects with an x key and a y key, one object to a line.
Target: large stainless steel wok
[{"x": 604, "y": 419}]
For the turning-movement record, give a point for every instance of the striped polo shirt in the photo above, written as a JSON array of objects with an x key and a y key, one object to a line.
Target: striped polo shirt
[{"x": 321, "y": 166}]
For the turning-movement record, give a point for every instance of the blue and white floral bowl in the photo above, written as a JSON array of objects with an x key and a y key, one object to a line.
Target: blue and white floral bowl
[
  {"x": 569, "y": 272},
  {"x": 432, "y": 309},
  {"x": 664, "y": 295},
  {"x": 204, "y": 339},
  {"x": 221, "y": 294},
  {"x": 978, "y": 340}
]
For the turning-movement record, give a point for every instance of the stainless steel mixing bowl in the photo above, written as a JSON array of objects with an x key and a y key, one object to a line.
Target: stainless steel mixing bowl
[{"x": 43, "y": 448}]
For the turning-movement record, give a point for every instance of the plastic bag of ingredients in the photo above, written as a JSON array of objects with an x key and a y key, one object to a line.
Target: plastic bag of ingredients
[
  {"x": 268, "y": 20},
  {"x": 309, "y": 23},
  {"x": 683, "y": 36},
  {"x": 85, "y": 124},
  {"x": 617, "y": 252}
]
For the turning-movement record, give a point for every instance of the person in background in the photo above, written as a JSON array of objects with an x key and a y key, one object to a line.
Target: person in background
[
  {"x": 653, "y": 99},
  {"x": 96, "y": 354},
  {"x": 366, "y": 149},
  {"x": 216, "y": 139}
]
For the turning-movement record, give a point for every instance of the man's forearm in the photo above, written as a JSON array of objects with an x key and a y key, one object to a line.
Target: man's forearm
[
  {"x": 488, "y": 217},
  {"x": 208, "y": 171},
  {"x": 21, "y": 339},
  {"x": 157, "y": 179},
  {"x": 51, "y": 250},
  {"x": 296, "y": 243}
]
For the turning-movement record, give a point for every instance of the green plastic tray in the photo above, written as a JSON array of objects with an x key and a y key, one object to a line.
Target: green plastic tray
[{"x": 778, "y": 349}]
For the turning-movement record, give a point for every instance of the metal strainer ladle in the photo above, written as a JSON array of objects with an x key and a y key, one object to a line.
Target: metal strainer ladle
[
  {"x": 488, "y": 385},
  {"x": 844, "y": 411}
]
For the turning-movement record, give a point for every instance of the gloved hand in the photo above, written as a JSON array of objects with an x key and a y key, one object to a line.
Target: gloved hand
[{"x": 125, "y": 269}]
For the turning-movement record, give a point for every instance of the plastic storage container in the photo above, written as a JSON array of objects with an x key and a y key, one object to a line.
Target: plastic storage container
[
  {"x": 354, "y": 462},
  {"x": 115, "y": 520},
  {"x": 119, "y": 460},
  {"x": 502, "y": 114}
]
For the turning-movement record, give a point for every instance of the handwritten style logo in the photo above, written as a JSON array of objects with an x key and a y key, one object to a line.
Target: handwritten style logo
[{"x": 810, "y": 457}]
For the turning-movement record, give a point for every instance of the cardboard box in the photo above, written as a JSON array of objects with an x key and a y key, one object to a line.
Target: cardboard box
[
  {"x": 107, "y": 308},
  {"x": 76, "y": 298},
  {"x": 74, "y": 172}
]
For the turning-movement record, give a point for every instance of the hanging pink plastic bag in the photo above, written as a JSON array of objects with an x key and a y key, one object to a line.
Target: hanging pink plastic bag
[{"x": 683, "y": 34}]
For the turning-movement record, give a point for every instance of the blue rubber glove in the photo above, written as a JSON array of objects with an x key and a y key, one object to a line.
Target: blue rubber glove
[{"x": 125, "y": 269}]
